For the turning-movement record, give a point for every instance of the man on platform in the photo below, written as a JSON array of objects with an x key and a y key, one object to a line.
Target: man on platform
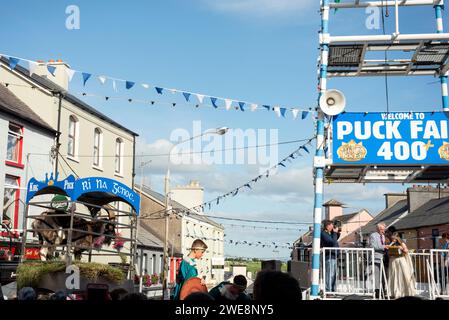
[
  {"x": 329, "y": 239},
  {"x": 377, "y": 242}
]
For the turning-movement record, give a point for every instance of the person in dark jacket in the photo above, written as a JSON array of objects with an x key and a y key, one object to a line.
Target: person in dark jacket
[
  {"x": 329, "y": 239},
  {"x": 227, "y": 291}
]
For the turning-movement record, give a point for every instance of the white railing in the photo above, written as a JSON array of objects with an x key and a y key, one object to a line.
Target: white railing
[
  {"x": 420, "y": 261},
  {"x": 354, "y": 276},
  {"x": 439, "y": 262},
  {"x": 346, "y": 271}
]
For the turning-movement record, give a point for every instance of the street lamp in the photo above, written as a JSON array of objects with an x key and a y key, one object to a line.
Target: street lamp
[
  {"x": 142, "y": 165},
  {"x": 219, "y": 131}
]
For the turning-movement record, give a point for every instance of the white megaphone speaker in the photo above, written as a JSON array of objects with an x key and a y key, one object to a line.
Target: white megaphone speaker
[{"x": 332, "y": 102}]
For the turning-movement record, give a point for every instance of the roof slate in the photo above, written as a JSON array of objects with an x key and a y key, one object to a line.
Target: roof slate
[
  {"x": 432, "y": 213},
  {"x": 387, "y": 216}
]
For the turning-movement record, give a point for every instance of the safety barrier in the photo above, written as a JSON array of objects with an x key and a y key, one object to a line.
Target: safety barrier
[{"x": 346, "y": 271}]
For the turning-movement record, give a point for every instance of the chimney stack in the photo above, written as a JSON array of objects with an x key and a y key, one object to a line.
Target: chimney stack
[
  {"x": 419, "y": 195},
  {"x": 60, "y": 78},
  {"x": 392, "y": 198}
]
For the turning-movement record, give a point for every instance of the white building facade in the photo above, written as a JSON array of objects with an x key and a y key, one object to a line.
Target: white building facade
[{"x": 90, "y": 143}]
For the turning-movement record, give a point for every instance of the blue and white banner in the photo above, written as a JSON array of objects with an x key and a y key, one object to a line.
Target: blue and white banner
[
  {"x": 75, "y": 188},
  {"x": 397, "y": 138}
]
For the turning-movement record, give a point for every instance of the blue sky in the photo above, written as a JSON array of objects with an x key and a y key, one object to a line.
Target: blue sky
[{"x": 262, "y": 51}]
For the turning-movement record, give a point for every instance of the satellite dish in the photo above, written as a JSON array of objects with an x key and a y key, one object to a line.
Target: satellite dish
[{"x": 332, "y": 102}]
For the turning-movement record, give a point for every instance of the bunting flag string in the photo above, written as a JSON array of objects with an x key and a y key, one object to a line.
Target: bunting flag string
[
  {"x": 216, "y": 101},
  {"x": 272, "y": 244},
  {"x": 249, "y": 184}
]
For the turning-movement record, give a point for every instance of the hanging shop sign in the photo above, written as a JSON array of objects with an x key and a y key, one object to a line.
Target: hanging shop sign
[
  {"x": 104, "y": 189},
  {"x": 397, "y": 138}
]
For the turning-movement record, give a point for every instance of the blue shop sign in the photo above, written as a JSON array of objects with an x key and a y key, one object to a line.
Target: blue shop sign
[
  {"x": 397, "y": 138},
  {"x": 100, "y": 188}
]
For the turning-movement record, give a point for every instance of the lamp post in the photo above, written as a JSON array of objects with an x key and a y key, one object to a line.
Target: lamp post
[
  {"x": 219, "y": 131},
  {"x": 142, "y": 165}
]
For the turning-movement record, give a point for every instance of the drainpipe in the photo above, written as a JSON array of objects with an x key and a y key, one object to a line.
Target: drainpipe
[
  {"x": 58, "y": 134},
  {"x": 134, "y": 162}
]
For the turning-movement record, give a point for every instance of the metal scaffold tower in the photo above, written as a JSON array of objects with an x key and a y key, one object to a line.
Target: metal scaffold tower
[{"x": 348, "y": 56}]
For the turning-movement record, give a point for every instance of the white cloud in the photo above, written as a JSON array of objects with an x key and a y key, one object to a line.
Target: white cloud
[{"x": 261, "y": 7}]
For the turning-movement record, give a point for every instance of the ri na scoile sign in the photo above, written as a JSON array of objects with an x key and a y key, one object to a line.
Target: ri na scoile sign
[{"x": 397, "y": 138}]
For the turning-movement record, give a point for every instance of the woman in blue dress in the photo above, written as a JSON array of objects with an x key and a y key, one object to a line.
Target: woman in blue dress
[{"x": 187, "y": 268}]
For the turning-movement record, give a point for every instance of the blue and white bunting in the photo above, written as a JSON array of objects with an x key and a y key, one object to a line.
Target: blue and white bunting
[
  {"x": 70, "y": 73},
  {"x": 304, "y": 114},
  {"x": 129, "y": 84},
  {"x": 32, "y": 66},
  {"x": 51, "y": 69},
  {"x": 277, "y": 110},
  {"x": 86, "y": 77},
  {"x": 200, "y": 97},
  {"x": 102, "y": 79},
  {"x": 283, "y": 111},
  {"x": 13, "y": 62},
  {"x": 159, "y": 90},
  {"x": 295, "y": 113},
  {"x": 186, "y": 96},
  {"x": 228, "y": 104},
  {"x": 214, "y": 102}
]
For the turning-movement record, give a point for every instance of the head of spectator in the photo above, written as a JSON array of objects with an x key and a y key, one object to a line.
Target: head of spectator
[
  {"x": 328, "y": 225},
  {"x": 445, "y": 236},
  {"x": 276, "y": 286},
  {"x": 118, "y": 294},
  {"x": 59, "y": 296},
  {"x": 232, "y": 291},
  {"x": 27, "y": 293},
  {"x": 381, "y": 228},
  {"x": 240, "y": 283},
  {"x": 135, "y": 296},
  {"x": 199, "y": 296}
]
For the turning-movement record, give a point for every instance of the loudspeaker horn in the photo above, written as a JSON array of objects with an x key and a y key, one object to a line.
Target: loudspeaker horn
[{"x": 332, "y": 102}]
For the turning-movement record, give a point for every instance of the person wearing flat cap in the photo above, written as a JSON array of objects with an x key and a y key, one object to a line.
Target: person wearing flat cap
[
  {"x": 227, "y": 291},
  {"x": 187, "y": 268}
]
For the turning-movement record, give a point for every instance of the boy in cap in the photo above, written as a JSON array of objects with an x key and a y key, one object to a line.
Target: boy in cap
[{"x": 187, "y": 268}]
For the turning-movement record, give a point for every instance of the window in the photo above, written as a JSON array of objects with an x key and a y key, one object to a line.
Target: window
[
  {"x": 154, "y": 264},
  {"x": 11, "y": 198},
  {"x": 98, "y": 137},
  {"x": 145, "y": 263},
  {"x": 73, "y": 136},
  {"x": 118, "y": 155},
  {"x": 15, "y": 142},
  {"x": 435, "y": 235}
]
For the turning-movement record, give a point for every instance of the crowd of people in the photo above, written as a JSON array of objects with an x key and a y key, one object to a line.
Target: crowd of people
[
  {"x": 268, "y": 286},
  {"x": 390, "y": 254}
]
